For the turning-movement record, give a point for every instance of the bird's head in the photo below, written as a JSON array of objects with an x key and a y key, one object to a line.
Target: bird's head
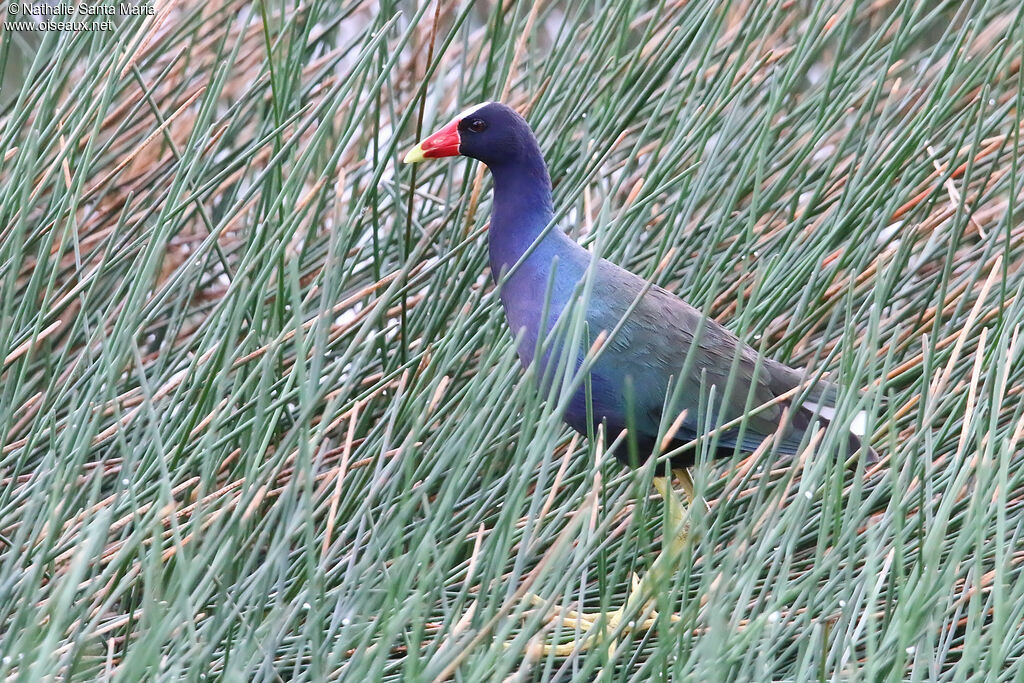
[{"x": 490, "y": 132}]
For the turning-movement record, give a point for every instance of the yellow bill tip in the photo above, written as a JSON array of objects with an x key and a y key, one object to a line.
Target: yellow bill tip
[{"x": 414, "y": 156}]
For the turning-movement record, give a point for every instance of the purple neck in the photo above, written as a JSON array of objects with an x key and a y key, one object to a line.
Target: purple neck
[{"x": 521, "y": 209}]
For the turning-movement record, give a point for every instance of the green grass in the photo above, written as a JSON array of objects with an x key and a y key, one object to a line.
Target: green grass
[{"x": 261, "y": 418}]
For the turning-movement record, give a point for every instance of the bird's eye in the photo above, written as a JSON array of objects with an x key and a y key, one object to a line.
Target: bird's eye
[{"x": 478, "y": 125}]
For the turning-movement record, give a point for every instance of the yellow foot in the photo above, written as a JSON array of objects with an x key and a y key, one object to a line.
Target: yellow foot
[{"x": 598, "y": 626}]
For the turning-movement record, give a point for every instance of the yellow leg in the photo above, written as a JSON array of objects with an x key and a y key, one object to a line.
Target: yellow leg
[
  {"x": 678, "y": 522},
  {"x": 599, "y": 625}
]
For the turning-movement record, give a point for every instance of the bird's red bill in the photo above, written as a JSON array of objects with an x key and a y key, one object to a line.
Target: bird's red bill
[{"x": 443, "y": 143}]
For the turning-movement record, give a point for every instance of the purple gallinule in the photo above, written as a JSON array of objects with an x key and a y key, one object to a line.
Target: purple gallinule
[{"x": 651, "y": 337}]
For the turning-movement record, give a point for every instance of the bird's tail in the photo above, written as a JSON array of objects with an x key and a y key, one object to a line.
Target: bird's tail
[{"x": 821, "y": 402}]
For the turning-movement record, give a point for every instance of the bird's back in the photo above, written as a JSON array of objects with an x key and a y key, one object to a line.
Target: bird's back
[{"x": 661, "y": 339}]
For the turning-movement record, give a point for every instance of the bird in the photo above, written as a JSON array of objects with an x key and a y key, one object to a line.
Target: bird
[{"x": 651, "y": 344}]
